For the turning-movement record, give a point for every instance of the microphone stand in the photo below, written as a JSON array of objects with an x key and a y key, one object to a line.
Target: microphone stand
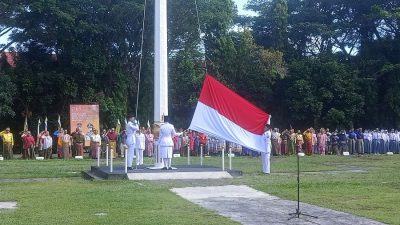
[{"x": 298, "y": 212}]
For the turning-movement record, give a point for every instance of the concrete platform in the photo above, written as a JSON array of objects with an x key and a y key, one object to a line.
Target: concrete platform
[
  {"x": 180, "y": 172},
  {"x": 251, "y": 207}
]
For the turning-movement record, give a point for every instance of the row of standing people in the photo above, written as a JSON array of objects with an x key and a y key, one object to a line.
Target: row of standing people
[{"x": 323, "y": 142}]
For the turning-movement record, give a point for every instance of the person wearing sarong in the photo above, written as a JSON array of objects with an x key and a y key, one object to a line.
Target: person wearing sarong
[
  {"x": 275, "y": 142},
  {"x": 299, "y": 142},
  {"x": 323, "y": 138},
  {"x": 112, "y": 141},
  {"x": 292, "y": 142},
  {"x": 8, "y": 143},
  {"x": 308, "y": 139},
  {"x": 285, "y": 142},
  {"x": 28, "y": 145},
  {"x": 59, "y": 134},
  {"x": 95, "y": 143},
  {"x": 78, "y": 139},
  {"x": 66, "y": 145},
  {"x": 149, "y": 143}
]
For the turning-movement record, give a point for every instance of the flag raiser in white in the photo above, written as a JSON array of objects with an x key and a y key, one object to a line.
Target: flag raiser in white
[{"x": 207, "y": 120}]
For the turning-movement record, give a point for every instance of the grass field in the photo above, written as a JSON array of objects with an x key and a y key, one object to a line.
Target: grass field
[{"x": 365, "y": 186}]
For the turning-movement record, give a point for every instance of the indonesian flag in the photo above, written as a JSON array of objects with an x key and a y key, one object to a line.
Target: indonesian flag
[{"x": 223, "y": 113}]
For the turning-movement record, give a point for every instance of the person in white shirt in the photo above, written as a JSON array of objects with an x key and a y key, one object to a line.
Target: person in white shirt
[
  {"x": 140, "y": 146},
  {"x": 165, "y": 143},
  {"x": 131, "y": 128},
  {"x": 265, "y": 156},
  {"x": 47, "y": 143},
  {"x": 95, "y": 143}
]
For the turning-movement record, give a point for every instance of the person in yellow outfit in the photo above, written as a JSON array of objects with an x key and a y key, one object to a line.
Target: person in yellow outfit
[{"x": 8, "y": 143}]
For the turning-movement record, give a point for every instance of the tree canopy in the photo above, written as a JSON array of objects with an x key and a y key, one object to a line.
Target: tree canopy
[{"x": 307, "y": 62}]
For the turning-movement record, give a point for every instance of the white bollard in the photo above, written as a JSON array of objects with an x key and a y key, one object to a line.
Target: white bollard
[
  {"x": 98, "y": 156},
  {"x": 107, "y": 155},
  {"x": 188, "y": 155},
  {"x": 223, "y": 159},
  {"x": 201, "y": 154},
  {"x": 126, "y": 160},
  {"x": 111, "y": 161},
  {"x": 230, "y": 158}
]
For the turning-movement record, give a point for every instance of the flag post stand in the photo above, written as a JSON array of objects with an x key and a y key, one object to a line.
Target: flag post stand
[{"x": 298, "y": 212}]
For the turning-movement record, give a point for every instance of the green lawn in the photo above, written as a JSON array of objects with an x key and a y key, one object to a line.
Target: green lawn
[{"x": 374, "y": 193}]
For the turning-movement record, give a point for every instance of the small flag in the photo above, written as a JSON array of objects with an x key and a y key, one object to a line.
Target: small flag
[
  {"x": 45, "y": 123},
  {"x": 59, "y": 122},
  {"x": 118, "y": 127},
  {"x": 148, "y": 124},
  {"x": 223, "y": 113},
  {"x": 26, "y": 124}
]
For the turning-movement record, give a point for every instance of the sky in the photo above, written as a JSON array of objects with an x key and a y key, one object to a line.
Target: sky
[{"x": 240, "y": 5}]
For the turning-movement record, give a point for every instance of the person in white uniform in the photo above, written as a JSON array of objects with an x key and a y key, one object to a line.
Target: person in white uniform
[
  {"x": 140, "y": 146},
  {"x": 165, "y": 143},
  {"x": 265, "y": 156},
  {"x": 131, "y": 128}
]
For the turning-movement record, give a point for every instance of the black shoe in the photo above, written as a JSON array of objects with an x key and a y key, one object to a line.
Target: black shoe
[
  {"x": 170, "y": 168},
  {"x": 130, "y": 168},
  {"x": 164, "y": 168}
]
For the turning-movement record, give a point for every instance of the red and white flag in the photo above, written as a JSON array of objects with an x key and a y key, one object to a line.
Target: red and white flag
[{"x": 223, "y": 113}]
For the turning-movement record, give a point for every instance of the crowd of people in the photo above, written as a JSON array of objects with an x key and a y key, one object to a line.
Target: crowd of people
[
  {"x": 287, "y": 142},
  {"x": 322, "y": 142}
]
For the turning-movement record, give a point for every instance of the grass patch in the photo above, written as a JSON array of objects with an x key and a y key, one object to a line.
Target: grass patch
[{"x": 374, "y": 194}]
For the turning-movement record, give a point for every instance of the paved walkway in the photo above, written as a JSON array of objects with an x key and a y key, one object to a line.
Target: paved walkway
[{"x": 251, "y": 207}]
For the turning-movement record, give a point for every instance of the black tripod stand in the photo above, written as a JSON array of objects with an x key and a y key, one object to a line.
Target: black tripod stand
[{"x": 298, "y": 213}]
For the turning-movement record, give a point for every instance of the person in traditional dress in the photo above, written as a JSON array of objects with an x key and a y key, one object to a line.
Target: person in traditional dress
[
  {"x": 58, "y": 134},
  {"x": 191, "y": 136},
  {"x": 66, "y": 145},
  {"x": 112, "y": 137},
  {"x": 149, "y": 143},
  {"x": 95, "y": 143},
  {"x": 299, "y": 142},
  {"x": 314, "y": 142},
  {"x": 165, "y": 143},
  {"x": 275, "y": 142},
  {"x": 265, "y": 156},
  {"x": 292, "y": 142},
  {"x": 78, "y": 139},
  {"x": 323, "y": 139},
  {"x": 140, "y": 146},
  {"x": 8, "y": 143},
  {"x": 131, "y": 128},
  {"x": 28, "y": 145},
  {"x": 185, "y": 144},
  {"x": 308, "y": 139},
  {"x": 285, "y": 142},
  {"x": 335, "y": 143}
]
